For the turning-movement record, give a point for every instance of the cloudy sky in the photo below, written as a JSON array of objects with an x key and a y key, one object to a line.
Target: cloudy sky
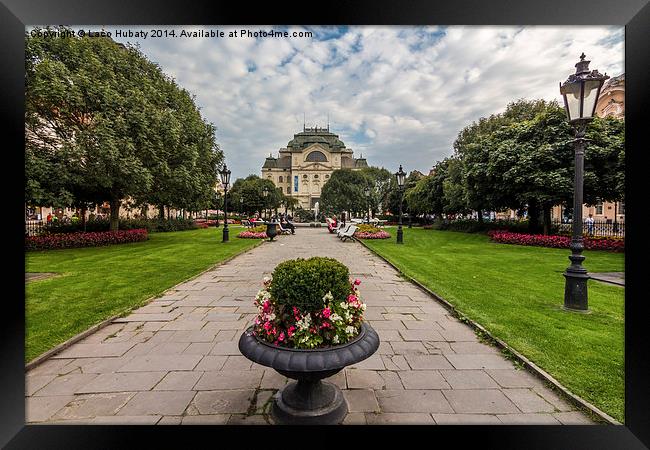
[{"x": 398, "y": 95}]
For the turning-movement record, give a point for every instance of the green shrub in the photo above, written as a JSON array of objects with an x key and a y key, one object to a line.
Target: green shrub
[
  {"x": 303, "y": 282},
  {"x": 474, "y": 226},
  {"x": 151, "y": 225}
]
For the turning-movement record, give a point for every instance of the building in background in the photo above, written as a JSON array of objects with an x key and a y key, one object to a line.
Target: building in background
[{"x": 304, "y": 166}]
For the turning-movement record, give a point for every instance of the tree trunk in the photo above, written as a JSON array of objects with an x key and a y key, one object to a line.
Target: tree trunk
[
  {"x": 115, "y": 214},
  {"x": 533, "y": 217},
  {"x": 84, "y": 208},
  {"x": 168, "y": 213},
  {"x": 161, "y": 211},
  {"x": 547, "y": 219},
  {"x": 183, "y": 213},
  {"x": 479, "y": 213}
]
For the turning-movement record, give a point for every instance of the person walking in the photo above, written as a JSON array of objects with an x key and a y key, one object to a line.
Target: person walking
[{"x": 590, "y": 225}]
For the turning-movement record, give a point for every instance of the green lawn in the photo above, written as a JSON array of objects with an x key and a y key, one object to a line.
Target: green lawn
[
  {"x": 516, "y": 292},
  {"x": 97, "y": 283}
]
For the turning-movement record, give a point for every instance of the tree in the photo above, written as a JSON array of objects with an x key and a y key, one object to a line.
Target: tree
[
  {"x": 393, "y": 198},
  {"x": 105, "y": 124},
  {"x": 343, "y": 191},
  {"x": 379, "y": 181}
]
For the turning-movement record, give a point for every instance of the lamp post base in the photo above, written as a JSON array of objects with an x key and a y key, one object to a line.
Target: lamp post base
[
  {"x": 400, "y": 237},
  {"x": 225, "y": 234},
  {"x": 575, "y": 291}
]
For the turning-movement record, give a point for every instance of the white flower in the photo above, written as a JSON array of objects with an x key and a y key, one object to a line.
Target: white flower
[
  {"x": 271, "y": 316},
  {"x": 336, "y": 339},
  {"x": 335, "y": 318},
  {"x": 328, "y": 297},
  {"x": 343, "y": 305},
  {"x": 349, "y": 330},
  {"x": 267, "y": 279},
  {"x": 363, "y": 306}
]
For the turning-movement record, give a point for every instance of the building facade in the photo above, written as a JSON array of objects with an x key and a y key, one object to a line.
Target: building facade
[{"x": 307, "y": 162}]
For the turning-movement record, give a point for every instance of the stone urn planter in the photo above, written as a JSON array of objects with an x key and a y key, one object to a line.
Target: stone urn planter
[
  {"x": 309, "y": 327},
  {"x": 271, "y": 230},
  {"x": 309, "y": 400}
]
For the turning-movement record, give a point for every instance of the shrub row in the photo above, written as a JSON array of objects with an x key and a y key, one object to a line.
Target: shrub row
[
  {"x": 555, "y": 241},
  {"x": 93, "y": 239},
  {"x": 151, "y": 225},
  {"x": 474, "y": 226}
]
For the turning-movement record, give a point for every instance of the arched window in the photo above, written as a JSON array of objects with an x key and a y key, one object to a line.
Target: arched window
[
  {"x": 280, "y": 179},
  {"x": 316, "y": 156}
]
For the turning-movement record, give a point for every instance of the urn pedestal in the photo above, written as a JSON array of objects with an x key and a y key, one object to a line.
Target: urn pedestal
[
  {"x": 309, "y": 400},
  {"x": 271, "y": 230}
]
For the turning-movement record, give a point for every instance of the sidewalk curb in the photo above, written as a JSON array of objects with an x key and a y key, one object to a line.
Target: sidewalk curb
[
  {"x": 76, "y": 338},
  {"x": 529, "y": 365}
]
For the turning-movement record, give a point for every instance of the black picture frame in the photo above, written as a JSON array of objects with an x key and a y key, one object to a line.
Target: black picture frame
[{"x": 633, "y": 14}]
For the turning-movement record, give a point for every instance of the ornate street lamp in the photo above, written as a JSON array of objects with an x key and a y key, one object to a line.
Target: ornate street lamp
[
  {"x": 366, "y": 191},
  {"x": 225, "y": 180},
  {"x": 265, "y": 194},
  {"x": 580, "y": 92},
  {"x": 241, "y": 205},
  {"x": 401, "y": 177}
]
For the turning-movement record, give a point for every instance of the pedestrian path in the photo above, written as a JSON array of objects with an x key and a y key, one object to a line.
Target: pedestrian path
[{"x": 176, "y": 360}]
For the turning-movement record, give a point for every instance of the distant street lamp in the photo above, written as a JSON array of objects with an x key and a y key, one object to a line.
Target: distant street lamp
[
  {"x": 225, "y": 180},
  {"x": 241, "y": 205},
  {"x": 580, "y": 92},
  {"x": 401, "y": 177},
  {"x": 366, "y": 191},
  {"x": 265, "y": 194}
]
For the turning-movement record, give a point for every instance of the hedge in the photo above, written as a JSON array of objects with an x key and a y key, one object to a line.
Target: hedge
[
  {"x": 151, "y": 225},
  {"x": 93, "y": 239}
]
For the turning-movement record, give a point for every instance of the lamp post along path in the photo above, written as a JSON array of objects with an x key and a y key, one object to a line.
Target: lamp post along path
[
  {"x": 580, "y": 92},
  {"x": 401, "y": 177},
  {"x": 225, "y": 180}
]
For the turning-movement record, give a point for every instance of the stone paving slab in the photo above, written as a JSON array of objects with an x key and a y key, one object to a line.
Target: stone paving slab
[{"x": 176, "y": 360}]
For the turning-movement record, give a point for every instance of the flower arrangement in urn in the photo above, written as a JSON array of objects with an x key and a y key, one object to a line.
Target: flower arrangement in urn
[
  {"x": 309, "y": 326},
  {"x": 319, "y": 324}
]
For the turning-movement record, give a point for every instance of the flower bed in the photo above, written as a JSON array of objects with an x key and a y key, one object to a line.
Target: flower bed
[
  {"x": 258, "y": 232},
  {"x": 309, "y": 303},
  {"x": 366, "y": 231},
  {"x": 555, "y": 241},
  {"x": 72, "y": 240}
]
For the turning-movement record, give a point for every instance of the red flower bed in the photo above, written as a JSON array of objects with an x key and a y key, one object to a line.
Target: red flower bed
[
  {"x": 540, "y": 240},
  {"x": 252, "y": 235},
  {"x": 72, "y": 240},
  {"x": 368, "y": 235}
]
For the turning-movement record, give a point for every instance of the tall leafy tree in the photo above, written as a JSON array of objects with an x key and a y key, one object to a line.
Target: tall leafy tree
[
  {"x": 103, "y": 123},
  {"x": 343, "y": 191}
]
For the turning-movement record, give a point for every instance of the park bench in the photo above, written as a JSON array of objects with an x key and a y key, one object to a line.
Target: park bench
[
  {"x": 247, "y": 223},
  {"x": 342, "y": 229},
  {"x": 348, "y": 233}
]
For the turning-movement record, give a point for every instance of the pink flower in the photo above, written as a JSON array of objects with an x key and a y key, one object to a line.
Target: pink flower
[
  {"x": 357, "y": 282},
  {"x": 326, "y": 312},
  {"x": 352, "y": 298},
  {"x": 291, "y": 330},
  {"x": 281, "y": 337},
  {"x": 267, "y": 326}
]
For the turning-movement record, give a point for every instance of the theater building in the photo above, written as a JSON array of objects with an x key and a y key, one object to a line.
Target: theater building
[{"x": 307, "y": 162}]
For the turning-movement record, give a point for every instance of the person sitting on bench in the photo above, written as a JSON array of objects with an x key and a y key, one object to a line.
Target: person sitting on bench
[{"x": 284, "y": 223}]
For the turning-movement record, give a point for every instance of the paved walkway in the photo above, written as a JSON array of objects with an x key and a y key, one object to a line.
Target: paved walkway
[
  {"x": 617, "y": 278},
  {"x": 176, "y": 359}
]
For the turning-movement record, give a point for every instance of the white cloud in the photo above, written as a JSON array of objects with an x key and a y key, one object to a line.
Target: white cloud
[{"x": 398, "y": 94}]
